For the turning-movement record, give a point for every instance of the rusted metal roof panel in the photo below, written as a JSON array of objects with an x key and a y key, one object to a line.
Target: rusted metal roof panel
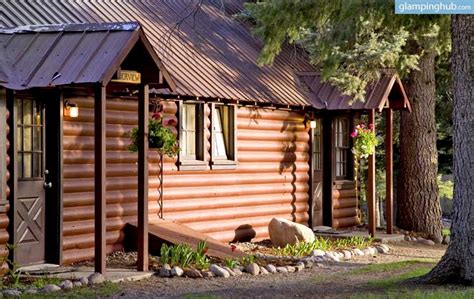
[
  {"x": 323, "y": 95},
  {"x": 50, "y": 55},
  {"x": 207, "y": 51}
]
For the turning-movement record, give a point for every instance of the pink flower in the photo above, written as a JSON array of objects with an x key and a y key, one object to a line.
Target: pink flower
[
  {"x": 362, "y": 125},
  {"x": 371, "y": 126},
  {"x": 170, "y": 122},
  {"x": 156, "y": 116},
  {"x": 354, "y": 134}
]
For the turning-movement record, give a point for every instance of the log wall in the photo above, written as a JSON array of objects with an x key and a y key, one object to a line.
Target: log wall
[
  {"x": 271, "y": 179},
  {"x": 344, "y": 204}
]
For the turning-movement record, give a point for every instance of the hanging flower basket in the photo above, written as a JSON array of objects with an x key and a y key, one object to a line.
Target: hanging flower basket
[{"x": 160, "y": 136}]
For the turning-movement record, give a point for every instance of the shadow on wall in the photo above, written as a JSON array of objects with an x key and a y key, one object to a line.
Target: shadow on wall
[
  {"x": 288, "y": 162},
  {"x": 244, "y": 233}
]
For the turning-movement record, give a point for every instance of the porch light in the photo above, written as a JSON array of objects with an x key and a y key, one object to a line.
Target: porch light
[
  {"x": 71, "y": 110},
  {"x": 312, "y": 124}
]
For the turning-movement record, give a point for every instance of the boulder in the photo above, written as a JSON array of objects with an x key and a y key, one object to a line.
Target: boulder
[
  {"x": 283, "y": 232},
  {"x": 219, "y": 271},
  {"x": 253, "y": 269}
]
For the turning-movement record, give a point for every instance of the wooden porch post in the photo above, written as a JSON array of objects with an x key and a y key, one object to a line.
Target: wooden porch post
[
  {"x": 100, "y": 178},
  {"x": 142, "y": 263},
  {"x": 389, "y": 168},
  {"x": 371, "y": 183}
]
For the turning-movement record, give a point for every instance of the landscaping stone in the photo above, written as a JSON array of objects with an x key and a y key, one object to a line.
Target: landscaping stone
[
  {"x": 308, "y": 263},
  {"x": 77, "y": 284},
  {"x": 425, "y": 241},
  {"x": 317, "y": 252},
  {"x": 299, "y": 266},
  {"x": 263, "y": 271},
  {"x": 373, "y": 250},
  {"x": 31, "y": 291},
  {"x": 84, "y": 281},
  {"x": 66, "y": 285},
  {"x": 270, "y": 268},
  {"x": 177, "y": 271},
  {"x": 283, "y": 232},
  {"x": 237, "y": 272},
  {"x": 347, "y": 254},
  {"x": 165, "y": 271},
  {"x": 193, "y": 273},
  {"x": 382, "y": 248},
  {"x": 331, "y": 256},
  {"x": 207, "y": 274},
  {"x": 282, "y": 269},
  {"x": 219, "y": 271},
  {"x": 96, "y": 278},
  {"x": 253, "y": 269},
  {"x": 446, "y": 240},
  {"x": 231, "y": 272},
  {"x": 367, "y": 251},
  {"x": 11, "y": 293},
  {"x": 49, "y": 288},
  {"x": 290, "y": 269},
  {"x": 358, "y": 252},
  {"x": 407, "y": 238}
]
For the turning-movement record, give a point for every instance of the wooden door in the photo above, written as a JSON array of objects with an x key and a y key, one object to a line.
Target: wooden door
[
  {"x": 317, "y": 174},
  {"x": 29, "y": 206}
]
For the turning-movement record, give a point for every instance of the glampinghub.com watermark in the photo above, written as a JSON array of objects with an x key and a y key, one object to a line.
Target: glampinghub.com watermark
[{"x": 434, "y": 6}]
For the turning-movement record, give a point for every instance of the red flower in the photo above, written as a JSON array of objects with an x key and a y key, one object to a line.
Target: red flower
[
  {"x": 205, "y": 250},
  {"x": 233, "y": 247},
  {"x": 156, "y": 116},
  {"x": 354, "y": 134},
  {"x": 170, "y": 122}
]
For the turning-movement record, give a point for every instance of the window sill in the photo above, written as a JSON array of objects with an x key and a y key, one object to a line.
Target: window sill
[
  {"x": 224, "y": 164},
  {"x": 192, "y": 165}
]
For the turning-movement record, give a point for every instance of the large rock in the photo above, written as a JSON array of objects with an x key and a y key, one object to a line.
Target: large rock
[{"x": 284, "y": 232}]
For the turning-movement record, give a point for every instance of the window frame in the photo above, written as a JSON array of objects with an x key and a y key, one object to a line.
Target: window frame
[
  {"x": 229, "y": 162},
  {"x": 346, "y": 149},
  {"x": 197, "y": 162}
]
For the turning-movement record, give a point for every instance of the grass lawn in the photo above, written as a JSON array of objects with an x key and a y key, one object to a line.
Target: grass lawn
[{"x": 103, "y": 290}]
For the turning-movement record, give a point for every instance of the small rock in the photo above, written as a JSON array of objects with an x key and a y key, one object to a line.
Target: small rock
[
  {"x": 11, "y": 293},
  {"x": 290, "y": 269},
  {"x": 241, "y": 268},
  {"x": 237, "y": 272},
  {"x": 308, "y": 264},
  {"x": 367, "y": 251},
  {"x": 49, "y": 288},
  {"x": 358, "y": 252},
  {"x": 446, "y": 239},
  {"x": 207, "y": 274},
  {"x": 282, "y": 269},
  {"x": 192, "y": 273},
  {"x": 165, "y": 271},
  {"x": 177, "y": 271},
  {"x": 425, "y": 242},
  {"x": 253, "y": 269},
  {"x": 299, "y": 266},
  {"x": 77, "y": 284},
  {"x": 96, "y": 278},
  {"x": 347, "y": 254},
  {"x": 382, "y": 248},
  {"x": 84, "y": 281},
  {"x": 263, "y": 271},
  {"x": 31, "y": 291},
  {"x": 330, "y": 256},
  {"x": 231, "y": 272},
  {"x": 66, "y": 285},
  {"x": 317, "y": 252},
  {"x": 219, "y": 271},
  {"x": 270, "y": 268},
  {"x": 413, "y": 239},
  {"x": 373, "y": 250},
  {"x": 407, "y": 238}
]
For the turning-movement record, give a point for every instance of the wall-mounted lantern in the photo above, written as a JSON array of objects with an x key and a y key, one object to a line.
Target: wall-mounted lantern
[
  {"x": 71, "y": 110},
  {"x": 312, "y": 124}
]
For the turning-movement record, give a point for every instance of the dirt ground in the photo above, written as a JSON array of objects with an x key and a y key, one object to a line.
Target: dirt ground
[{"x": 327, "y": 280}]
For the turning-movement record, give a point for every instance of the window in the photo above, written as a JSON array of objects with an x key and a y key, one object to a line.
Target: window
[
  {"x": 29, "y": 138},
  {"x": 342, "y": 147},
  {"x": 223, "y": 133},
  {"x": 317, "y": 145},
  {"x": 191, "y": 135}
]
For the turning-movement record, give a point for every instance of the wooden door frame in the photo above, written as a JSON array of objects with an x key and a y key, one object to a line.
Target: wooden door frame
[{"x": 54, "y": 203}]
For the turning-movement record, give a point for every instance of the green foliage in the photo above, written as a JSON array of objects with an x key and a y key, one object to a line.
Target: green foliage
[
  {"x": 160, "y": 136},
  {"x": 44, "y": 280},
  {"x": 350, "y": 41},
  {"x": 446, "y": 188},
  {"x": 247, "y": 260},
  {"x": 13, "y": 267},
  {"x": 230, "y": 263},
  {"x": 305, "y": 248},
  {"x": 365, "y": 141},
  {"x": 184, "y": 255}
]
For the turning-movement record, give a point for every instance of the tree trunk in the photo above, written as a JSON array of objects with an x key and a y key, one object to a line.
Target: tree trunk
[
  {"x": 457, "y": 265},
  {"x": 417, "y": 189}
]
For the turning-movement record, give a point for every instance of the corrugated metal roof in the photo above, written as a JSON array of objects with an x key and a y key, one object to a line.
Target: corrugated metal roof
[
  {"x": 49, "y": 55},
  {"x": 208, "y": 53},
  {"x": 323, "y": 95}
]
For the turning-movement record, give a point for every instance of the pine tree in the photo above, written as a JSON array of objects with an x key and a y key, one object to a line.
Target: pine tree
[{"x": 351, "y": 42}]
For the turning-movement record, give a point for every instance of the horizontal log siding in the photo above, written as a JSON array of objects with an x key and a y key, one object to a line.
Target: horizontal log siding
[
  {"x": 4, "y": 220},
  {"x": 271, "y": 179},
  {"x": 344, "y": 205}
]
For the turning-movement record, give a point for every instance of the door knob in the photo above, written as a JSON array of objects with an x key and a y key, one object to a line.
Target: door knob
[{"x": 47, "y": 185}]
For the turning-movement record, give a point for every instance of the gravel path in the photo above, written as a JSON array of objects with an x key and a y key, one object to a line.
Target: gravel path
[{"x": 312, "y": 282}]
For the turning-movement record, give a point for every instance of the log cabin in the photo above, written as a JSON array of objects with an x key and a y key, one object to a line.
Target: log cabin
[{"x": 256, "y": 142}]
